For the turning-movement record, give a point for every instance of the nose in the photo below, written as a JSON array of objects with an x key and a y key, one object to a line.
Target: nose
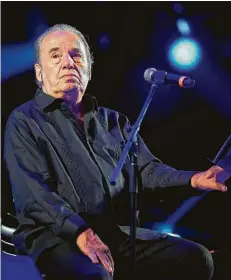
[{"x": 68, "y": 62}]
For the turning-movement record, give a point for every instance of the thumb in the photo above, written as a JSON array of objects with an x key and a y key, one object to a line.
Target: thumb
[{"x": 221, "y": 187}]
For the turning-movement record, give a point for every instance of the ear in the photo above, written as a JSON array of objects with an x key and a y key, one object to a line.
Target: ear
[{"x": 38, "y": 72}]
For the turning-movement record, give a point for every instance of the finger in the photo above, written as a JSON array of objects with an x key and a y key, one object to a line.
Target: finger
[
  {"x": 221, "y": 187},
  {"x": 208, "y": 174},
  {"x": 107, "y": 252},
  {"x": 216, "y": 186},
  {"x": 212, "y": 172},
  {"x": 105, "y": 261},
  {"x": 92, "y": 255},
  {"x": 111, "y": 259}
]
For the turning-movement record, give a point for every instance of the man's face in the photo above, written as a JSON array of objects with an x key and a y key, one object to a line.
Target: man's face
[{"x": 63, "y": 70}]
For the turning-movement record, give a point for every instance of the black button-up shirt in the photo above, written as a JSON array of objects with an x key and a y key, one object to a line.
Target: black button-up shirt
[{"x": 60, "y": 174}]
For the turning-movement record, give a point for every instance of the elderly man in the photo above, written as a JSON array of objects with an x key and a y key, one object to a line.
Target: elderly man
[{"x": 60, "y": 149}]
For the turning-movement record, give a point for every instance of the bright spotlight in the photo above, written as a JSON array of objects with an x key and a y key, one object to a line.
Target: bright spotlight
[
  {"x": 183, "y": 27},
  {"x": 173, "y": 234},
  {"x": 166, "y": 228},
  {"x": 184, "y": 54}
]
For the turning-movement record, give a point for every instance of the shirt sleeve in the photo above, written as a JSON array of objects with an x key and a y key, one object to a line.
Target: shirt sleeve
[
  {"x": 34, "y": 189},
  {"x": 154, "y": 173},
  {"x": 225, "y": 160}
]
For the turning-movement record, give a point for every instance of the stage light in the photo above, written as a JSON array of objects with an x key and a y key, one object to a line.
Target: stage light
[
  {"x": 104, "y": 41},
  {"x": 183, "y": 27},
  {"x": 173, "y": 234},
  {"x": 164, "y": 228},
  {"x": 16, "y": 59},
  {"x": 184, "y": 54},
  {"x": 178, "y": 8}
]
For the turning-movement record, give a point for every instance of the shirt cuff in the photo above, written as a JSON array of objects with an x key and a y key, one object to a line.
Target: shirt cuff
[
  {"x": 186, "y": 177},
  {"x": 73, "y": 227}
]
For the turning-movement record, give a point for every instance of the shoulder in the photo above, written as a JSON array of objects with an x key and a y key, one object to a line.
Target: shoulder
[
  {"x": 23, "y": 110},
  {"x": 20, "y": 115}
]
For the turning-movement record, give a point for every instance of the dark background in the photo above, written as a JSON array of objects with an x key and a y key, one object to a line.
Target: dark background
[{"x": 182, "y": 127}]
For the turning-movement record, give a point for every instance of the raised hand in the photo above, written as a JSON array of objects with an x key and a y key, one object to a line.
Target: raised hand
[{"x": 211, "y": 180}]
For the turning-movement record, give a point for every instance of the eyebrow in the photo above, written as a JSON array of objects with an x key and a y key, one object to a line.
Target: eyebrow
[
  {"x": 53, "y": 50},
  {"x": 76, "y": 50},
  {"x": 57, "y": 49}
]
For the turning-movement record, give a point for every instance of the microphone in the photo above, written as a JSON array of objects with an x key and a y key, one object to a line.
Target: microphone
[{"x": 152, "y": 76}]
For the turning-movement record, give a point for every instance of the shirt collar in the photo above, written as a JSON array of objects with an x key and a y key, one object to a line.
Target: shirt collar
[{"x": 46, "y": 102}]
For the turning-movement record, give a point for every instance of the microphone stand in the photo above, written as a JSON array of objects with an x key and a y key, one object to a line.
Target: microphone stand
[{"x": 131, "y": 148}]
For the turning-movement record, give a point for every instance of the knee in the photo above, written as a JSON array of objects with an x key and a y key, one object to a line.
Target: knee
[
  {"x": 103, "y": 275},
  {"x": 200, "y": 261},
  {"x": 204, "y": 258},
  {"x": 98, "y": 274}
]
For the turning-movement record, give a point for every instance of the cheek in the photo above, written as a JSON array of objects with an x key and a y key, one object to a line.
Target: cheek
[{"x": 52, "y": 76}]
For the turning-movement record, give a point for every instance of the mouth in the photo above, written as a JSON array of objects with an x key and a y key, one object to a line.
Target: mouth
[
  {"x": 72, "y": 78},
  {"x": 70, "y": 75}
]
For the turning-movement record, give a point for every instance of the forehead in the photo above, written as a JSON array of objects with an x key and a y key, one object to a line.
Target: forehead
[{"x": 61, "y": 39}]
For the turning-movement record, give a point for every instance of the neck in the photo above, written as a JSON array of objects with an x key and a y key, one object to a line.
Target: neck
[
  {"x": 76, "y": 109},
  {"x": 74, "y": 102},
  {"x": 70, "y": 96},
  {"x": 73, "y": 99}
]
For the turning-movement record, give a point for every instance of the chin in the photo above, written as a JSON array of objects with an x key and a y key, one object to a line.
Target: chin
[
  {"x": 72, "y": 91},
  {"x": 70, "y": 86}
]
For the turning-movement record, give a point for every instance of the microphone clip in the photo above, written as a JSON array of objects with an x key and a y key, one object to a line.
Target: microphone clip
[{"x": 159, "y": 77}]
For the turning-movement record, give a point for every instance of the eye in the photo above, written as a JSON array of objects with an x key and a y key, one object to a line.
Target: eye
[
  {"x": 76, "y": 55},
  {"x": 55, "y": 55}
]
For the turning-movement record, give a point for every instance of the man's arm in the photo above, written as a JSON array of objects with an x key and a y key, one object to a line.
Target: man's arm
[
  {"x": 36, "y": 199},
  {"x": 155, "y": 174},
  {"x": 33, "y": 188}
]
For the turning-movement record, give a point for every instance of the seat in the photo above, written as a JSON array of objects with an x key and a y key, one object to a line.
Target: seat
[{"x": 13, "y": 263}]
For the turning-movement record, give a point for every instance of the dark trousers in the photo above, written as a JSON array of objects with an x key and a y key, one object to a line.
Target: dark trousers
[{"x": 159, "y": 259}]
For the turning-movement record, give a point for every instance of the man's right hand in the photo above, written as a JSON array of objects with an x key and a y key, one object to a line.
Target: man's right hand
[{"x": 91, "y": 245}]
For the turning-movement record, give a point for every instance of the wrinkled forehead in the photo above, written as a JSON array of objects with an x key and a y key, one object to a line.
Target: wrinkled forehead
[{"x": 62, "y": 40}]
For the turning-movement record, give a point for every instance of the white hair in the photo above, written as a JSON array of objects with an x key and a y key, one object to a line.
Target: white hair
[{"x": 63, "y": 27}]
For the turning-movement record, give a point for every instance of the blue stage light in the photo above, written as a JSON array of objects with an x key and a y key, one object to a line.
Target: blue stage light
[
  {"x": 178, "y": 8},
  {"x": 184, "y": 54},
  {"x": 164, "y": 228},
  {"x": 104, "y": 41},
  {"x": 16, "y": 59},
  {"x": 183, "y": 27}
]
